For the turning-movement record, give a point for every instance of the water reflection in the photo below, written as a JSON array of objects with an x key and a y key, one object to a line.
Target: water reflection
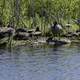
[{"x": 48, "y": 63}]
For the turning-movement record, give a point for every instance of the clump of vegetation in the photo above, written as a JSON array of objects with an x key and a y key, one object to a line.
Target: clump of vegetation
[{"x": 22, "y": 12}]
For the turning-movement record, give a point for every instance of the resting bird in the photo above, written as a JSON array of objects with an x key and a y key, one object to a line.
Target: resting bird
[{"x": 56, "y": 29}]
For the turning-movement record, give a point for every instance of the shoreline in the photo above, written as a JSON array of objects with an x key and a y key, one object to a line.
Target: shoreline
[{"x": 38, "y": 42}]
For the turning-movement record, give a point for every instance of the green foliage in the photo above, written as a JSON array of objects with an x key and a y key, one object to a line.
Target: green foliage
[{"x": 32, "y": 13}]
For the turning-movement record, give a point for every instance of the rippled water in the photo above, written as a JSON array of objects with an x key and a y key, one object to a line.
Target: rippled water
[{"x": 23, "y": 63}]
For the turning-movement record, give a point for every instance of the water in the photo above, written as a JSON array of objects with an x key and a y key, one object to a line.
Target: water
[{"x": 23, "y": 63}]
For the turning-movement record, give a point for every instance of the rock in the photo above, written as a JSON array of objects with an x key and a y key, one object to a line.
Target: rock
[
  {"x": 77, "y": 31},
  {"x": 42, "y": 40},
  {"x": 31, "y": 30},
  {"x": 2, "y": 35},
  {"x": 75, "y": 34},
  {"x": 21, "y": 36},
  {"x": 34, "y": 32},
  {"x": 38, "y": 33},
  {"x": 6, "y": 32},
  {"x": 10, "y": 31},
  {"x": 21, "y": 30},
  {"x": 71, "y": 34},
  {"x": 66, "y": 41}
]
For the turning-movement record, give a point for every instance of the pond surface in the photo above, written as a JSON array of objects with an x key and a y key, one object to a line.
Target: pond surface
[{"x": 47, "y": 63}]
